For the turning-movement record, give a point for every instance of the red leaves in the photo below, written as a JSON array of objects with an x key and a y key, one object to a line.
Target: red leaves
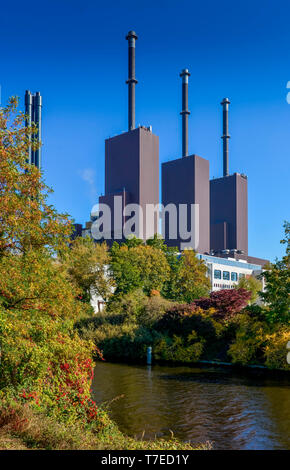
[
  {"x": 226, "y": 303},
  {"x": 30, "y": 395}
]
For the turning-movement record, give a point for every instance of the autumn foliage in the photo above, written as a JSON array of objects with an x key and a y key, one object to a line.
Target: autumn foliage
[
  {"x": 226, "y": 303},
  {"x": 44, "y": 362}
]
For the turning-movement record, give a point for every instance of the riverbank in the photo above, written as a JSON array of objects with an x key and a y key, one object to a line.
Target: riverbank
[
  {"x": 27, "y": 430},
  {"x": 187, "y": 334}
]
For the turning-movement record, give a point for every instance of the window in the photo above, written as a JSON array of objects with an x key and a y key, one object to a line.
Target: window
[
  {"x": 226, "y": 275},
  {"x": 234, "y": 276},
  {"x": 217, "y": 274},
  {"x": 241, "y": 275}
]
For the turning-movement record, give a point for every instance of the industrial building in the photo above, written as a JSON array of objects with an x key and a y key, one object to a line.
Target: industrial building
[
  {"x": 131, "y": 168},
  {"x": 132, "y": 177},
  {"x": 228, "y": 202},
  {"x": 186, "y": 181}
]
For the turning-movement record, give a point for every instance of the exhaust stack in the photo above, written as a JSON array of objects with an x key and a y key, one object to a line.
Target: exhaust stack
[
  {"x": 225, "y": 104},
  {"x": 37, "y": 120},
  {"x": 131, "y": 38},
  {"x": 28, "y": 113},
  {"x": 185, "y": 111},
  {"x": 33, "y": 105}
]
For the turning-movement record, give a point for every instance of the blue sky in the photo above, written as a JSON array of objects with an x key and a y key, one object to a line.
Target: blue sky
[{"x": 75, "y": 54}]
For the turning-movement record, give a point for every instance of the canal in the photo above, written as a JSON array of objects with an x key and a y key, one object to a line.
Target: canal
[{"x": 231, "y": 410}]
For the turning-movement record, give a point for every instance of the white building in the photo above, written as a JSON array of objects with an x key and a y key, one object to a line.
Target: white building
[{"x": 224, "y": 273}]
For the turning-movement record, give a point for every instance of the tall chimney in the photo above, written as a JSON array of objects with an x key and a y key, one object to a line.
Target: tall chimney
[
  {"x": 225, "y": 104},
  {"x": 131, "y": 37},
  {"x": 28, "y": 113},
  {"x": 185, "y": 111},
  {"x": 37, "y": 120}
]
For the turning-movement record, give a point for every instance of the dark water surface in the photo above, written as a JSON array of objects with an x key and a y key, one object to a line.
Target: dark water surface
[{"x": 232, "y": 410}]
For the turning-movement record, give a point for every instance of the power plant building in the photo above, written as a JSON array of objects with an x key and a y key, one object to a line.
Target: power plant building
[
  {"x": 131, "y": 168},
  {"x": 186, "y": 181},
  {"x": 228, "y": 203},
  {"x": 132, "y": 178}
]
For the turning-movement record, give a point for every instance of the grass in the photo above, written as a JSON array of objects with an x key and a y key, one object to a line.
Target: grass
[{"x": 21, "y": 428}]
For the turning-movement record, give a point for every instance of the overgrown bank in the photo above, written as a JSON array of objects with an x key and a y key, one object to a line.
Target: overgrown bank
[
  {"x": 46, "y": 368},
  {"x": 221, "y": 328}
]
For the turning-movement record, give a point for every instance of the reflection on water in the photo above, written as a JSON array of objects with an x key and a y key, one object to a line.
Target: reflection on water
[{"x": 231, "y": 411}]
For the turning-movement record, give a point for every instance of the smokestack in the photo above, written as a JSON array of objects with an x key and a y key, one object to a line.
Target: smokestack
[
  {"x": 225, "y": 104},
  {"x": 37, "y": 120},
  {"x": 185, "y": 111},
  {"x": 131, "y": 38},
  {"x": 28, "y": 113}
]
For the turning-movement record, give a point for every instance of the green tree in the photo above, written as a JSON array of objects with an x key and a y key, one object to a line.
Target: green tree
[
  {"x": 87, "y": 265},
  {"x": 277, "y": 289},
  {"x": 253, "y": 285},
  {"x": 192, "y": 282},
  {"x": 171, "y": 286},
  {"x": 140, "y": 266}
]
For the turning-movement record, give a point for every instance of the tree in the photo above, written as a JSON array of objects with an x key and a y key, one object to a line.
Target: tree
[
  {"x": 277, "y": 290},
  {"x": 171, "y": 287},
  {"x": 157, "y": 241},
  {"x": 87, "y": 265},
  {"x": 191, "y": 282},
  {"x": 251, "y": 284},
  {"x": 27, "y": 221},
  {"x": 140, "y": 266},
  {"x": 226, "y": 303},
  {"x": 43, "y": 360}
]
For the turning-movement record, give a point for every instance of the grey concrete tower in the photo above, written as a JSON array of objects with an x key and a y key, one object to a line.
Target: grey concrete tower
[
  {"x": 225, "y": 104},
  {"x": 131, "y": 38},
  {"x": 185, "y": 111},
  {"x": 33, "y": 105}
]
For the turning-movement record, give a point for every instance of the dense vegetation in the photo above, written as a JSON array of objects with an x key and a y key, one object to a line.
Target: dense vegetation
[
  {"x": 46, "y": 368},
  {"x": 162, "y": 300}
]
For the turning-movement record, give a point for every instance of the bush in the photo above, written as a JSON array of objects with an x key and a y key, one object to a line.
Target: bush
[
  {"x": 177, "y": 349},
  {"x": 154, "y": 309},
  {"x": 276, "y": 349},
  {"x": 226, "y": 303},
  {"x": 127, "y": 306},
  {"x": 249, "y": 343}
]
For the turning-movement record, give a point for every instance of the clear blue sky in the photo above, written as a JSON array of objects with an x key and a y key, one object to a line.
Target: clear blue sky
[{"x": 75, "y": 54}]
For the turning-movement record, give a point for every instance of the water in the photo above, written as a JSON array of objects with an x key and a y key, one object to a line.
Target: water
[{"x": 233, "y": 411}]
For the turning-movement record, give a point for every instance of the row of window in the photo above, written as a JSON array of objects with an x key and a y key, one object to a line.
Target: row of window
[
  {"x": 225, "y": 286},
  {"x": 227, "y": 275}
]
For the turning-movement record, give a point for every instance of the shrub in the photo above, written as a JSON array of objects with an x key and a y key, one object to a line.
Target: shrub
[
  {"x": 127, "y": 306},
  {"x": 226, "y": 303},
  {"x": 276, "y": 349},
  {"x": 250, "y": 341},
  {"x": 177, "y": 349},
  {"x": 154, "y": 309}
]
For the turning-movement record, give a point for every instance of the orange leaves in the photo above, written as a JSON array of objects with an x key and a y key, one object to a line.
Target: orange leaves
[{"x": 26, "y": 220}]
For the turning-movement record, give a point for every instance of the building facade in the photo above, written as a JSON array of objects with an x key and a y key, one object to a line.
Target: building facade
[{"x": 225, "y": 273}]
